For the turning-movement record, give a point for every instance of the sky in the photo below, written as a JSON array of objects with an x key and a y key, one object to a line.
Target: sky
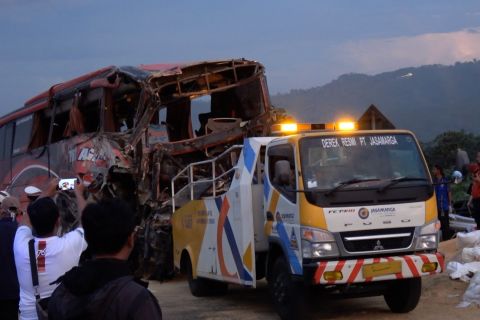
[{"x": 302, "y": 44}]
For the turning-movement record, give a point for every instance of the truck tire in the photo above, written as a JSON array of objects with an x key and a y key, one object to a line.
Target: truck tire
[
  {"x": 201, "y": 287},
  {"x": 287, "y": 294},
  {"x": 403, "y": 295}
]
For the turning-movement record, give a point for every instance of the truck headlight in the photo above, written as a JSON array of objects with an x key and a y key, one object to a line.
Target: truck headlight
[
  {"x": 427, "y": 242},
  {"x": 318, "y": 243},
  {"x": 428, "y": 238}
]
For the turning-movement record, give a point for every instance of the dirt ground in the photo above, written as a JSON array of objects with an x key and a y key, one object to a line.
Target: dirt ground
[{"x": 439, "y": 299}]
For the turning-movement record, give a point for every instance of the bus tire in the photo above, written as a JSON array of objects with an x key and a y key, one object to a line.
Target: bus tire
[
  {"x": 201, "y": 287},
  {"x": 403, "y": 295},
  {"x": 287, "y": 294}
]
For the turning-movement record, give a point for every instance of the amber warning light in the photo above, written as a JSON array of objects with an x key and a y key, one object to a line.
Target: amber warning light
[
  {"x": 291, "y": 128},
  {"x": 346, "y": 125},
  {"x": 288, "y": 127}
]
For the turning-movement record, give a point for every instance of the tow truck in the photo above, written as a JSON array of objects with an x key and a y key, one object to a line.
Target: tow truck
[{"x": 314, "y": 206}]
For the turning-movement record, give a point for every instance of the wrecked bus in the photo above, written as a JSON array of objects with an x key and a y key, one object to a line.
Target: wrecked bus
[{"x": 127, "y": 131}]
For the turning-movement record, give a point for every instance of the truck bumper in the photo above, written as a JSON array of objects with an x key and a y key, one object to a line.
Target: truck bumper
[{"x": 374, "y": 269}]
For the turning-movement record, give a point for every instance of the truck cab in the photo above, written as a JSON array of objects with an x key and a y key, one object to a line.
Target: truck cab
[{"x": 349, "y": 212}]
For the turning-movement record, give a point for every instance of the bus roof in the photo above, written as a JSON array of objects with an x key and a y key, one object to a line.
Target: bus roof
[{"x": 139, "y": 73}]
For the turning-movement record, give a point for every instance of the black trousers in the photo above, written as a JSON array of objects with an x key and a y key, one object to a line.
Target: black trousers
[
  {"x": 9, "y": 309},
  {"x": 476, "y": 211},
  {"x": 445, "y": 222}
]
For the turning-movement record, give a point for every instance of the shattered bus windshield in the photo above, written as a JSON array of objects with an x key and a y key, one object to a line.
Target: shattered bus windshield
[{"x": 360, "y": 160}]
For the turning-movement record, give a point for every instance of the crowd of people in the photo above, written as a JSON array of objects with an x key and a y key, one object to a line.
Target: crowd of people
[
  {"x": 40, "y": 273},
  {"x": 444, "y": 195}
]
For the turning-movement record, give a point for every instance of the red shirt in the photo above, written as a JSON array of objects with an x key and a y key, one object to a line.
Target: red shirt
[
  {"x": 476, "y": 183},
  {"x": 476, "y": 189}
]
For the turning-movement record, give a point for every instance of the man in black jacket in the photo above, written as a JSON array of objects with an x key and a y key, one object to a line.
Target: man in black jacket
[
  {"x": 103, "y": 288},
  {"x": 9, "y": 289}
]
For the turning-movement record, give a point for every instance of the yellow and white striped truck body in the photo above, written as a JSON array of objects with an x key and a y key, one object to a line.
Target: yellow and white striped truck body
[{"x": 236, "y": 236}]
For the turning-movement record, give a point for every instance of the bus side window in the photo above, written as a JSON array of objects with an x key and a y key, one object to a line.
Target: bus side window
[
  {"x": 23, "y": 131},
  {"x": 39, "y": 131},
  {"x": 125, "y": 108},
  {"x": 61, "y": 120},
  {"x": 2, "y": 142},
  {"x": 8, "y": 140}
]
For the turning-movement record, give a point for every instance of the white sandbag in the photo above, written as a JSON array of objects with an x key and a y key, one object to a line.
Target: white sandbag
[
  {"x": 471, "y": 254},
  {"x": 453, "y": 266},
  {"x": 462, "y": 271},
  {"x": 468, "y": 239},
  {"x": 472, "y": 294}
]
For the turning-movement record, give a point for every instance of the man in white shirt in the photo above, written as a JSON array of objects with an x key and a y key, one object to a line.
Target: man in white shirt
[{"x": 54, "y": 255}]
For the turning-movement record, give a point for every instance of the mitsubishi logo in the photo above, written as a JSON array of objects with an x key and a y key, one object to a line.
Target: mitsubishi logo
[{"x": 378, "y": 246}]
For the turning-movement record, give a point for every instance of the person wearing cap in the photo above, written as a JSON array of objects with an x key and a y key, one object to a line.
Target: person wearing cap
[
  {"x": 54, "y": 255},
  {"x": 9, "y": 290},
  {"x": 32, "y": 193},
  {"x": 3, "y": 195}
]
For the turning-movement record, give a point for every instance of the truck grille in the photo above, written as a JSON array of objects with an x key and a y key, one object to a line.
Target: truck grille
[{"x": 377, "y": 240}]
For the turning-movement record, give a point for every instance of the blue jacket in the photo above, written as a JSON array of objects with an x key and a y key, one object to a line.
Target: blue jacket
[{"x": 441, "y": 190}]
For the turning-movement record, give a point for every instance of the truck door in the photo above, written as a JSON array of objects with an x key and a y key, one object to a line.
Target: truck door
[{"x": 281, "y": 208}]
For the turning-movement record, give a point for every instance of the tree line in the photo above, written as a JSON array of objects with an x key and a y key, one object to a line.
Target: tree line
[{"x": 443, "y": 149}]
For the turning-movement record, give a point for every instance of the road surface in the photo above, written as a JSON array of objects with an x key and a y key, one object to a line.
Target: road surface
[{"x": 439, "y": 299}]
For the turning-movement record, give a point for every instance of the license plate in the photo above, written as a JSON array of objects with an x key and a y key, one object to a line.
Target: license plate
[{"x": 381, "y": 269}]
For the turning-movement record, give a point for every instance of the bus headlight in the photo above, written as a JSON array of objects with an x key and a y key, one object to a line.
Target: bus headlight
[{"x": 318, "y": 243}]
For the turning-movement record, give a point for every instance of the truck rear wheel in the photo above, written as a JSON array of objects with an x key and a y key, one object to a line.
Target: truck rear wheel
[
  {"x": 201, "y": 287},
  {"x": 287, "y": 294},
  {"x": 403, "y": 295}
]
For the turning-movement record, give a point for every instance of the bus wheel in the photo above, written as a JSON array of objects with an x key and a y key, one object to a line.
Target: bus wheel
[
  {"x": 403, "y": 295},
  {"x": 201, "y": 287},
  {"x": 287, "y": 294}
]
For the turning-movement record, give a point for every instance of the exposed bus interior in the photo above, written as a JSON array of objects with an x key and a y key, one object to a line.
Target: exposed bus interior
[{"x": 157, "y": 119}]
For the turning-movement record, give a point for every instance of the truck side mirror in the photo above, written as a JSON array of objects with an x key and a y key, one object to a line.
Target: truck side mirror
[{"x": 282, "y": 172}]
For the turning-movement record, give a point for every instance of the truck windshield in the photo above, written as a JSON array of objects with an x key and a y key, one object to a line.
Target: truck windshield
[{"x": 365, "y": 160}]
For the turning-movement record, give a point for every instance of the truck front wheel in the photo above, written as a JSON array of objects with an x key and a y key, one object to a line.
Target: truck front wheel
[
  {"x": 287, "y": 294},
  {"x": 403, "y": 295}
]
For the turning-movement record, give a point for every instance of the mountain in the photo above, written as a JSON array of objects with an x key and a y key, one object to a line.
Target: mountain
[{"x": 427, "y": 100}]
